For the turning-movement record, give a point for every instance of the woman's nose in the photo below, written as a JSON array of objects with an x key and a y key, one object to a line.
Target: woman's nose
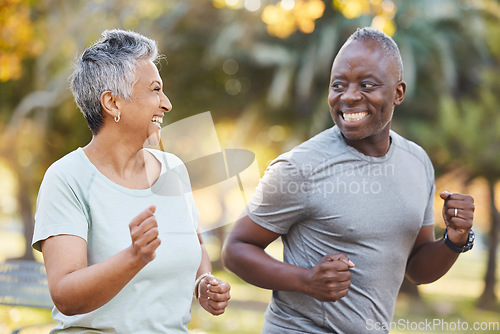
[{"x": 165, "y": 103}]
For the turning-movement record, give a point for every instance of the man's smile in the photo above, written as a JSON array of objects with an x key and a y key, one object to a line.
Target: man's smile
[{"x": 353, "y": 116}]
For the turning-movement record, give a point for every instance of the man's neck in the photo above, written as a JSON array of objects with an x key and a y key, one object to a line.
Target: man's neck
[{"x": 373, "y": 147}]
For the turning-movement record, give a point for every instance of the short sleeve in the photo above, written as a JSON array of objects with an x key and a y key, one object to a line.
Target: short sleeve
[
  {"x": 429, "y": 210},
  {"x": 60, "y": 208},
  {"x": 281, "y": 198}
]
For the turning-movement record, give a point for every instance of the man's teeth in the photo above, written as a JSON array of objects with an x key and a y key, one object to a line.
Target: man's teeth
[
  {"x": 157, "y": 120},
  {"x": 354, "y": 116}
]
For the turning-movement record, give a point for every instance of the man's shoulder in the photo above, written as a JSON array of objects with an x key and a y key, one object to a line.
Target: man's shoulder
[
  {"x": 315, "y": 151},
  {"x": 410, "y": 147}
]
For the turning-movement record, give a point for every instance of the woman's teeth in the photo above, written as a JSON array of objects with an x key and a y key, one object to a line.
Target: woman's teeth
[{"x": 157, "y": 121}]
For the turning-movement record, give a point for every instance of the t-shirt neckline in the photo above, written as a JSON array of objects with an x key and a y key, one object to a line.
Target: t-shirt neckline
[
  {"x": 115, "y": 185},
  {"x": 362, "y": 156}
]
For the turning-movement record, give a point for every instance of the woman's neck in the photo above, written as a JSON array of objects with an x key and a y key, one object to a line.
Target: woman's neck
[{"x": 131, "y": 167}]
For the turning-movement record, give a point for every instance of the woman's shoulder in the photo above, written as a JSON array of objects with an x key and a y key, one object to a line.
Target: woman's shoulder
[{"x": 70, "y": 166}]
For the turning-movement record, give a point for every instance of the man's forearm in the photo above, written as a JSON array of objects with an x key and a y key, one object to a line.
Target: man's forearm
[
  {"x": 430, "y": 262},
  {"x": 256, "y": 267}
]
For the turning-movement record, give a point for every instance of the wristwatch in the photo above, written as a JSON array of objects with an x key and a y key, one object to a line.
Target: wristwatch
[{"x": 468, "y": 245}]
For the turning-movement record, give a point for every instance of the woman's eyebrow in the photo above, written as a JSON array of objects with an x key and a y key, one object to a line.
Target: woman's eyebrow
[{"x": 155, "y": 81}]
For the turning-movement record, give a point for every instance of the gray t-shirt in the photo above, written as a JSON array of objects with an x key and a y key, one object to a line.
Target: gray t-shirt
[
  {"x": 76, "y": 199},
  {"x": 325, "y": 197}
]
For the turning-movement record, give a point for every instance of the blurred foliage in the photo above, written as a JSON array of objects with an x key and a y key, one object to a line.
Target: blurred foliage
[
  {"x": 261, "y": 67},
  {"x": 467, "y": 122},
  {"x": 17, "y": 38}
]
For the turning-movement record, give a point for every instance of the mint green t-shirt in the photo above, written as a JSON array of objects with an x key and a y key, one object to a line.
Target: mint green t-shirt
[{"x": 76, "y": 199}]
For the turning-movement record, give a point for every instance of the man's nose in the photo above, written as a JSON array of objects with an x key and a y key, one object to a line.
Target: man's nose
[{"x": 351, "y": 94}]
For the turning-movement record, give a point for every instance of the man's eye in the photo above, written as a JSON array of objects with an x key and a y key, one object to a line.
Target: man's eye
[
  {"x": 368, "y": 85},
  {"x": 338, "y": 85}
]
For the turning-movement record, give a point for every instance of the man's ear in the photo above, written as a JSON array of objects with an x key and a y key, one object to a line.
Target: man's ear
[
  {"x": 109, "y": 105},
  {"x": 400, "y": 93}
]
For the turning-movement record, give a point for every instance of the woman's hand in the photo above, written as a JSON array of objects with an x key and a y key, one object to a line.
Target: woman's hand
[
  {"x": 214, "y": 295},
  {"x": 144, "y": 234}
]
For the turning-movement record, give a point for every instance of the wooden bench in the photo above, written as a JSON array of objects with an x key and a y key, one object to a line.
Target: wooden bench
[{"x": 24, "y": 283}]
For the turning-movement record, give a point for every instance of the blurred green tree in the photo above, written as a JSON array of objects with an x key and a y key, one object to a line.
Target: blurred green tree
[
  {"x": 469, "y": 140},
  {"x": 468, "y": 131}
]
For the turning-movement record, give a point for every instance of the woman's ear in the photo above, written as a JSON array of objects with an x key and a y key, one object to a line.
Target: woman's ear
[
  {"x": 400, "y": 93},
  {"x": 108, "y": 104}
]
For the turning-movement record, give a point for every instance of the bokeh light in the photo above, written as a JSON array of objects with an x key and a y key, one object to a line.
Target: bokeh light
[
  {"x": 285, "y": 17},
  {"x": 383, "y": 12},
  {"x": 252, "y": 5}
]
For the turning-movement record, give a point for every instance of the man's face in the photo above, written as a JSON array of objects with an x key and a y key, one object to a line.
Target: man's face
[{"x": 364, "y": 88}]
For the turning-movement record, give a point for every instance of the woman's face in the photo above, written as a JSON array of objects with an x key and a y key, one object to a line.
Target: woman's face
[{"x": 143, "y": 112}]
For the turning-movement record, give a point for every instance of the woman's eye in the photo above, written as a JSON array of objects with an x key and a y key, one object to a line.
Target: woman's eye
[{"x": 158, "y": 89}]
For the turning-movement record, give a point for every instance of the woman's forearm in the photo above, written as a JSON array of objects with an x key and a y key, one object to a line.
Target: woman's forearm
[
  {"x": 205, "y": 265},
  {"x": 89, "y": 288}
]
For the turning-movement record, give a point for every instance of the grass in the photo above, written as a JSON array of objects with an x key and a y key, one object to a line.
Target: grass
[{"x": 446, "y": 304}]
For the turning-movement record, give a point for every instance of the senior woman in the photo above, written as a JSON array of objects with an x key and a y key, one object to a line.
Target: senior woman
[{"x": 116, "y": 222}]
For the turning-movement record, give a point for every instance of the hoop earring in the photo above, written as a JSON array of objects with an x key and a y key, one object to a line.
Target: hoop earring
[{"x": 117, "y": 118}]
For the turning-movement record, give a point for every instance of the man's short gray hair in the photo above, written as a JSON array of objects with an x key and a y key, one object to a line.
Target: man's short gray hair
[
  {"x": 109, "y": 65},
  {"x": 383, "y": 40}
]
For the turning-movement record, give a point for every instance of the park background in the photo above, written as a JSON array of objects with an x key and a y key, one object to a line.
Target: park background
[{"x": 261, "y": 67}]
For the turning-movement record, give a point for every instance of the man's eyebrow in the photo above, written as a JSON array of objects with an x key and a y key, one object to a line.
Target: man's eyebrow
[{"x": 336, "y": 75}]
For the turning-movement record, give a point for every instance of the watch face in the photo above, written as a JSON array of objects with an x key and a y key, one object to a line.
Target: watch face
[{"x": 470, "y": 242}]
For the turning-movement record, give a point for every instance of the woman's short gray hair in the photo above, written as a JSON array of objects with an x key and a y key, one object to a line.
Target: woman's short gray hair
[{"x": 109, "y": 65}]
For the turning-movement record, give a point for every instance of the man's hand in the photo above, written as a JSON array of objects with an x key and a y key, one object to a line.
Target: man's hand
[
  {"x": 214, "y": 295},
  {"x": 330, "y": 279},
  {"x": 144, "y": 234},
  {"x": 458, "y": 213}
]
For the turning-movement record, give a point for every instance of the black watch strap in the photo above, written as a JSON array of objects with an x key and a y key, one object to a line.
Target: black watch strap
[{"x": 468, "y": 245}]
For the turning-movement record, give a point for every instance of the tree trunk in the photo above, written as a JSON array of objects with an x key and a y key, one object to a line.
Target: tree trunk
[
  {"x": 488, "y": 298},
  {"x": 24, "y": 200},
  {"x": 24, "y": 186}
]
